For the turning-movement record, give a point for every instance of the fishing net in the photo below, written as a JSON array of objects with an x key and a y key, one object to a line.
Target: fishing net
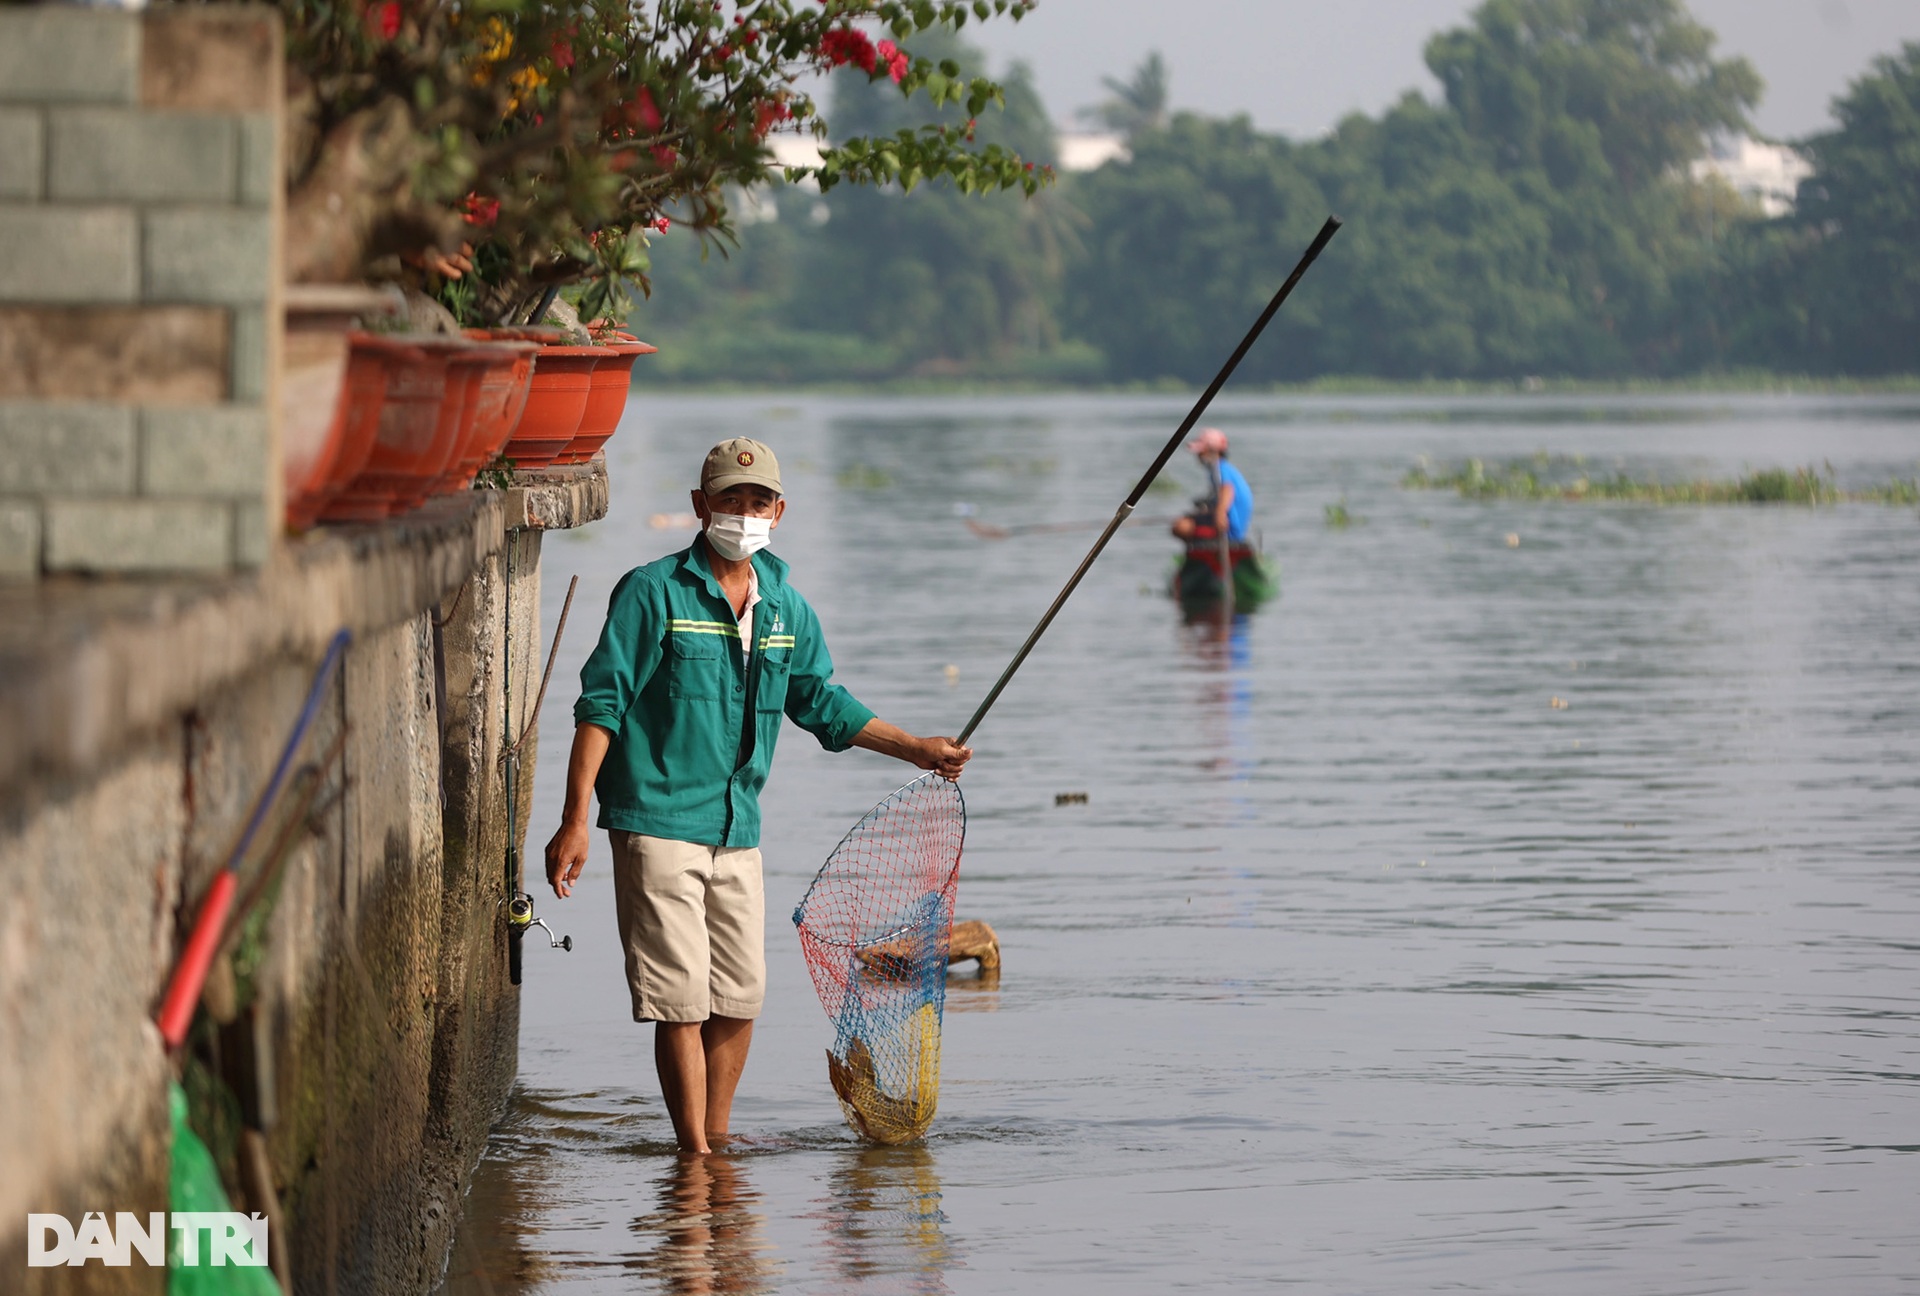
[{"x": 875, "y": 928}]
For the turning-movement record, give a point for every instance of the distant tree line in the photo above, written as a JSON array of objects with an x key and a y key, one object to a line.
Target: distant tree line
[{"x": 1539, "y": 221}]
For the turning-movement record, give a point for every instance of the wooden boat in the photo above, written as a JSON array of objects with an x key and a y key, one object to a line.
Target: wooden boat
[{"x": 1196, "y": 582}]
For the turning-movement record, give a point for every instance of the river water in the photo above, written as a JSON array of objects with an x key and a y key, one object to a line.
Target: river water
[{"x": 1363, "y": 967}]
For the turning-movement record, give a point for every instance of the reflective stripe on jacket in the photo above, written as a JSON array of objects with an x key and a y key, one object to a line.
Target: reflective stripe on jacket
[{"x": 669, "y": 682}]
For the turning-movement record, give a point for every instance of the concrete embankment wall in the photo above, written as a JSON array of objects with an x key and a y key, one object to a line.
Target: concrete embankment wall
[
  {"x": 157, "y": 638},
  {"x": 370, "y": 1029}
]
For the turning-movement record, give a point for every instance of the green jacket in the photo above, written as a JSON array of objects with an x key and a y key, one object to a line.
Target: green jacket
[{"x": 667, "y": 680}]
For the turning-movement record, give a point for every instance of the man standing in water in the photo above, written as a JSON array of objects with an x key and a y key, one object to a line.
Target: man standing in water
[
  {"x": 679, "y": 708},
  {"x": 1232, "y": 504}
]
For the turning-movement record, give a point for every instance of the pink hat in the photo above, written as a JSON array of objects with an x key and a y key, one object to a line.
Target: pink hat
[{"x": 1209, "y": 441}]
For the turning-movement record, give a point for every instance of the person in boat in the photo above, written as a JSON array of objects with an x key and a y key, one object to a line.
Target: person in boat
[
  {"x": 702, "y": 653},
  {"x": 1231, "y": 505}
]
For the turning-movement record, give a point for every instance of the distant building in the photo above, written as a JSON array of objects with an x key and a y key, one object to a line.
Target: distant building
[
  {"x": 1079, "y": 151},
  {"x": 795, "y": 150},
  {"x": 1090, "y": 150},
  {"x": 1767, "y": 175}
]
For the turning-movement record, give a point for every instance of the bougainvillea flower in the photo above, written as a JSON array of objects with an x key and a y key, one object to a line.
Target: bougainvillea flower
[
  {"x": 385, "y": 19},
  {"x": 480, "y": 211},
  {"x": 768, "y": 115},
  {"x": 644, "y": 109},
  {"x": 845, "y": 45},
  {"x": 897, "y": 60}
]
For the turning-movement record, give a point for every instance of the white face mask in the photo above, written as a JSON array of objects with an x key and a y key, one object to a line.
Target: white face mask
[{"x": 737, "y": 538}]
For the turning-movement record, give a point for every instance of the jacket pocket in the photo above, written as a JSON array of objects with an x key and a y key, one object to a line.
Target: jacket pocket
[
  {"x": 770, "y": 690},
  {"x": 698, "y": 666}
]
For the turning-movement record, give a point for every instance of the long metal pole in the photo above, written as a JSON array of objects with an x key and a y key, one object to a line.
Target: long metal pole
[
  {"x": 1132, "y": 500},
  {"x": 1225, "y": 540}
]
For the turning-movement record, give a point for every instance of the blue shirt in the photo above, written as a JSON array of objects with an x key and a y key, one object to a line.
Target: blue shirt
[{"x": 1240, "y": 512}]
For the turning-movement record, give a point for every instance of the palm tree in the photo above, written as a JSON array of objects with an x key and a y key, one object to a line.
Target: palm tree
[{"x": 1139, "y": 104}]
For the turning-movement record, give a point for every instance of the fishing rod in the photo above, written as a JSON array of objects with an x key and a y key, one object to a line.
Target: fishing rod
[
  {"x": 190, "y": 973},
  {"x": 1224, "y": 528},
  {"x": 1320, "y": 241},
  {"x": 520, "y": 917},
  {"x": 988, "y": 531}
]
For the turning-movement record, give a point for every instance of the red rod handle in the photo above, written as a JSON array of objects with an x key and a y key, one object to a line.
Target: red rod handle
[{"x": 190, "y": 975}]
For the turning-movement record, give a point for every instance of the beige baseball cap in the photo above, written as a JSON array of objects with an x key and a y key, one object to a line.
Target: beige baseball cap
[{"x": 741, "y": 461}]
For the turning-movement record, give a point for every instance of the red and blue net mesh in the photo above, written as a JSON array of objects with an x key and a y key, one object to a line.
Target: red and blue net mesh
[{"x": 875, "y": 927}]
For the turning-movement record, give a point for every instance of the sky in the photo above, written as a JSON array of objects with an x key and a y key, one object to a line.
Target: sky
[{"x": 1297, "y": 68}]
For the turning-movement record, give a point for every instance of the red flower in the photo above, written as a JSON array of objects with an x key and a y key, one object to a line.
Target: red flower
[
  {"x": 665, "y": 156},
  {"x": 845, "y": 45},
  {"x": 562, "y": 52},
  {"x": 385, "y": 19},
  {"x": 768, "y": 115},
  {"x": 480, "y": 211},
  {"x": 644, "y": 110},
  {"x": 662, "y": 224},
  {"x": 897, "y": 60}
]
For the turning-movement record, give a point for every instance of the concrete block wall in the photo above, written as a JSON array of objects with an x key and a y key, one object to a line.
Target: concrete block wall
[
  {"x": 138, "y": 722},
  {"x": 140, "y": 217}
]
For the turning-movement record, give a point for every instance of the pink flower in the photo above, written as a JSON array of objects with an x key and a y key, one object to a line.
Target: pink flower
[
  {"x": 896, "y": 59},
  {"x": 644, "y": 110}
]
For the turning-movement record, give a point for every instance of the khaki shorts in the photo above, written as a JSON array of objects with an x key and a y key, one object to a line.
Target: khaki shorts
[{"x": 693, "y": 919}]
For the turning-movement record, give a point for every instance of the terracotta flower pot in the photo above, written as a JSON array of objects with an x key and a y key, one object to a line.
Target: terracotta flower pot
[
  {"x": 606, "y": 400},
  {"x": 313, "y": 405},
  {"x": 465, "y": 363},
  {"x": 364, "y": 397},
  {"x": 496, "y": 395},
  {"x": 408, "y": 436},
  {"x": 562, "y": 381}
]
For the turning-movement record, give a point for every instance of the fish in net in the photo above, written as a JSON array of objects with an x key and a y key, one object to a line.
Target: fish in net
[{"x": 875, "y": 927}]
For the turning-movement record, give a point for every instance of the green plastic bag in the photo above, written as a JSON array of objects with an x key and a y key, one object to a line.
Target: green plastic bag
[{"x": 195, "y": 1186}]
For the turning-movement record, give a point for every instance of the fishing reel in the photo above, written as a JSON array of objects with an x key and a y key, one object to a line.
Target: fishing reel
[{"x": 519, "y": 919}]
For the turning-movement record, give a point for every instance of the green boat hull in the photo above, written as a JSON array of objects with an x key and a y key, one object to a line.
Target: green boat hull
[{"x": 1255, "y": 580}]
